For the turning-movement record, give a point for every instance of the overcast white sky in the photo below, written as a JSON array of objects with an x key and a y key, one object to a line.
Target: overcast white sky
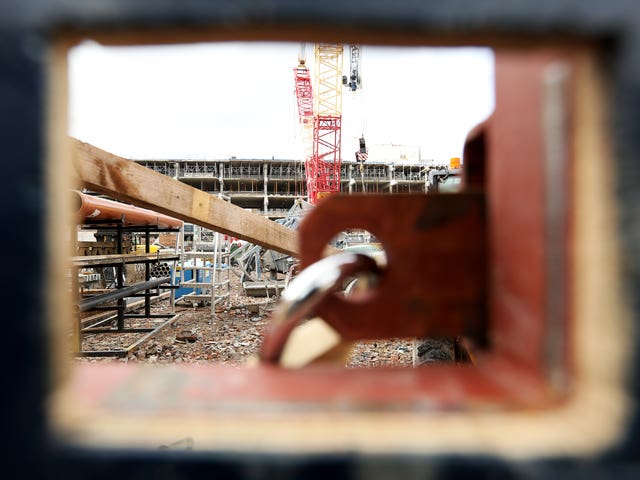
[{"x": 237, "y": 99}]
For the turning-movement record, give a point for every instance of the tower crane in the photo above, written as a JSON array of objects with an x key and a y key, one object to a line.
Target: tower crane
[
  {"x": 324, "y": 174},
  {"x": 304, "y": 96},
  {"x": 320, "y": 115},
  {"x": 324, "y": 126},
  {"x": 354, "y": 82}
]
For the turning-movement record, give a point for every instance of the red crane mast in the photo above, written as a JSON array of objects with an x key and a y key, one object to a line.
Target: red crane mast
[{"x": 320, "y": 114}]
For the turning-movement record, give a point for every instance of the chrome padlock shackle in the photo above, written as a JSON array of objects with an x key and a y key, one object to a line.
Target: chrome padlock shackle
[{"x": 305, "y": 292}]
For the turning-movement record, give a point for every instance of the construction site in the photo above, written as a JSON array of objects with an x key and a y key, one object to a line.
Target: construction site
[
  {"x": 152, "y": 287},
  {"x": 301, "y": 278},
  {"x": 359, "y": 240}
]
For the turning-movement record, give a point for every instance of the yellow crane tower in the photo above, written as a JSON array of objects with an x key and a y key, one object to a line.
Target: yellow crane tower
[
  {"x": 320, "y": 115},
  {"x": 323, "y": 168}
]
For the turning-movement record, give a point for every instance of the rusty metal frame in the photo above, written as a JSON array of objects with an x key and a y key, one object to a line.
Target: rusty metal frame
[{"x": 26, "y": 28}]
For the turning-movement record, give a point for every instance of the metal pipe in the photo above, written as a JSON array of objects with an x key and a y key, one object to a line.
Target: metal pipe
[
  {"x": 147, "y": 270},
  {"x": 119, "y": 293},
  {"x": 91, "y": 208},
  {"x": 120, "y": 279}
]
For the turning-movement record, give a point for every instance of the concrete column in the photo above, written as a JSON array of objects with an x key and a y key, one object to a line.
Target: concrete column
[
  {"x": 221, "y": 177},
  {"x": 350, "y": 179},
  {"x": 265, "y": 167},
  {"x": 391, "y": 179}
]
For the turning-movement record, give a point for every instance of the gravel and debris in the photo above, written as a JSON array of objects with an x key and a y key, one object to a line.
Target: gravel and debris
[{"x": 232, "y": 336}]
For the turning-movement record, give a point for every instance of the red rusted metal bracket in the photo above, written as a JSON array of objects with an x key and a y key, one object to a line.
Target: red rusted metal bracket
[
  {"x": 434, "y": 281},
  {"x": 433, "y": 284}
]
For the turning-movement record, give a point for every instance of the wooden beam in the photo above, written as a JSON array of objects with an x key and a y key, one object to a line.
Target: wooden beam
[{"x": 125, "y": 180}]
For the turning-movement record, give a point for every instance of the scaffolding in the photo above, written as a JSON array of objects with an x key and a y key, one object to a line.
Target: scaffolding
[
  {"x": 110, "y": 318},
  {"x": 203, "y": 269}
]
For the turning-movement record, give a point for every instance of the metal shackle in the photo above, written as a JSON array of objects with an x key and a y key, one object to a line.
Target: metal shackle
[{"x": 306, "y": 292}]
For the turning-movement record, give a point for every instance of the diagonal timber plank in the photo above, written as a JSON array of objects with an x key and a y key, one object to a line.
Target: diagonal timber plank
[{"x": 125, "y": 180}]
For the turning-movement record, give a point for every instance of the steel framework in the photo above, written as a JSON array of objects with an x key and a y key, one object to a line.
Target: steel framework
[
  {"x": 323, "y": 172},
  {"x": 323, "y": 168},
  {"x": 304, "y": 92},
  {"x": 147, "y": 289},
  {"x": 304, "y": 96}
]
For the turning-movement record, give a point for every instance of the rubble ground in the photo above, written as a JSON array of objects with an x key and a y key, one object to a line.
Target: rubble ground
[{"x": 232, "y": 336}]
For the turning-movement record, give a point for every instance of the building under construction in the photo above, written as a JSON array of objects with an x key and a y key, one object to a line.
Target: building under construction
[{"x": 272, "y": 186}]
